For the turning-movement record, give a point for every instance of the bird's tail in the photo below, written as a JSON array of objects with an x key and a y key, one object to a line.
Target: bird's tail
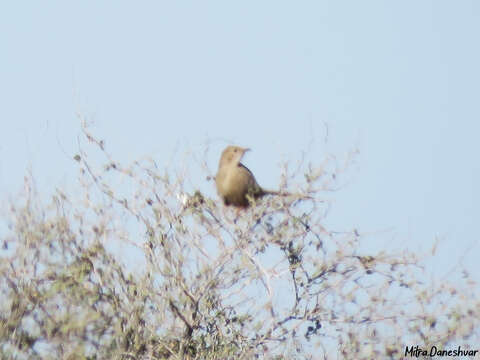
[
  {"x": 284, "y": 193},
  {"x": 271, "y": 192}
]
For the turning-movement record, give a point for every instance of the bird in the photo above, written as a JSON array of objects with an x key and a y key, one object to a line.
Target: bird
[{"x": 235, "y": 183}]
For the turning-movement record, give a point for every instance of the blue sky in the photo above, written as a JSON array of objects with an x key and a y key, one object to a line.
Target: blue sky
[{"x": 397, "y": 80}]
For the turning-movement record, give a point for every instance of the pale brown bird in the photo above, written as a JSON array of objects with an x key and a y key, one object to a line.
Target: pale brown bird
[{"x": 235, "y": 183}]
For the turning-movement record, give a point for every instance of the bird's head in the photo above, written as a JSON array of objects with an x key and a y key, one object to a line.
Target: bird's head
[{"x": 232, "y": 155}]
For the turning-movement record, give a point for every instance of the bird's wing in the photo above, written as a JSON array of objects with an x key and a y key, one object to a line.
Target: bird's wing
[{"x": 253, "y": 186}]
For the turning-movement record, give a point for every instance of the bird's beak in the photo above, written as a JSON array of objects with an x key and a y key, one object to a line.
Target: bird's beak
[{"x": 244, "y": 150}]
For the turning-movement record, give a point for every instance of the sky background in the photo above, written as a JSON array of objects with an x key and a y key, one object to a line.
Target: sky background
[{"x": 400, "y": 81}]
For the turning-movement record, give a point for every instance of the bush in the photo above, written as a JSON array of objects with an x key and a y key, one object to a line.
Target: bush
[{"x": 148, "y": 269}]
